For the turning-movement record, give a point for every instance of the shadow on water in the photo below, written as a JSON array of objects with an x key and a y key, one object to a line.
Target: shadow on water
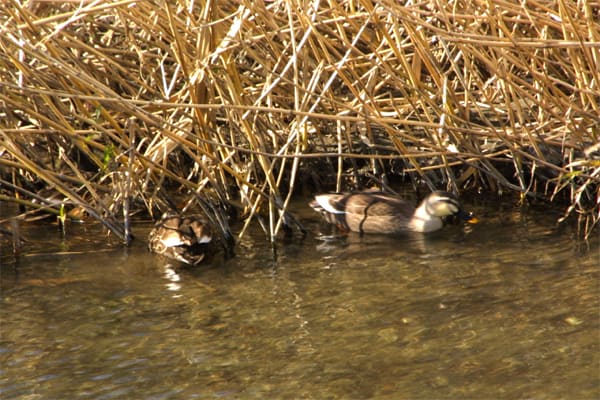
[{"x": 507, "y": 308}]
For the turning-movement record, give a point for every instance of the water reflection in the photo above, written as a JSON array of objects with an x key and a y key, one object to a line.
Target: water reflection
[
  {"x": 504, "y": 309},
  {"x": 172, "y": 277}
]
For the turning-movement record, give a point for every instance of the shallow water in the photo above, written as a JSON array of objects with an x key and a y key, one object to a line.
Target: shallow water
[{"x": 505, "y": 309}]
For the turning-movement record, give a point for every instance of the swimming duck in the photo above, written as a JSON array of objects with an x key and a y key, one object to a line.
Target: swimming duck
[
  {"x": 378, "y": 212},
  {"x": 185, "y": 239}
]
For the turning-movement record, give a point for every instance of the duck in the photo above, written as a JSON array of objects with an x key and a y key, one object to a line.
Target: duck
[
  {"x": 185, "y": 239},
  {"x": 379, "y": 212}
]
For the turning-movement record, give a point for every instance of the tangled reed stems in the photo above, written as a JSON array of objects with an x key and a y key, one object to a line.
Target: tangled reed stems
[{"x": 115, "y": 106}]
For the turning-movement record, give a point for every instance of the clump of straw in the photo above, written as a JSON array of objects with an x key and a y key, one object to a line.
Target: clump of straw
[{"x": 114, "y": 106}]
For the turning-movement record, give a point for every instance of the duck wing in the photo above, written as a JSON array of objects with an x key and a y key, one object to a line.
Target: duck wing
[{"x": 377, "y": 205}]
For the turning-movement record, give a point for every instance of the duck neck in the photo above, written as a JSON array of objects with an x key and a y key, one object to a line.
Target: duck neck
[{"x": 423, "y": 221}]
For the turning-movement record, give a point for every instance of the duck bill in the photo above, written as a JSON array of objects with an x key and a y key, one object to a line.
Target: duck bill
[{"x": 465, "y": 216}]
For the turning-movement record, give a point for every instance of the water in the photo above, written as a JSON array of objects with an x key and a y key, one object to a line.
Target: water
[{"x": 505, "y": 309}]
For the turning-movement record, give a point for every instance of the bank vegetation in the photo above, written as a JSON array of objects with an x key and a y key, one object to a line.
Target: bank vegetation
[{"x": 121, "y": 107}]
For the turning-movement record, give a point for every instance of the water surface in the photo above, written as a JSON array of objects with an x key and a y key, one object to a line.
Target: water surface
[{"x": 505, "y": 309}]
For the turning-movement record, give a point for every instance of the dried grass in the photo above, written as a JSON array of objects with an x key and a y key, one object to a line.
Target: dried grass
[{"x": 111, "y": 106}]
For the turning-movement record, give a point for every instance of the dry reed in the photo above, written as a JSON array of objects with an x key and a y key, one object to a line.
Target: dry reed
[{"x": 115, "y": 106}]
